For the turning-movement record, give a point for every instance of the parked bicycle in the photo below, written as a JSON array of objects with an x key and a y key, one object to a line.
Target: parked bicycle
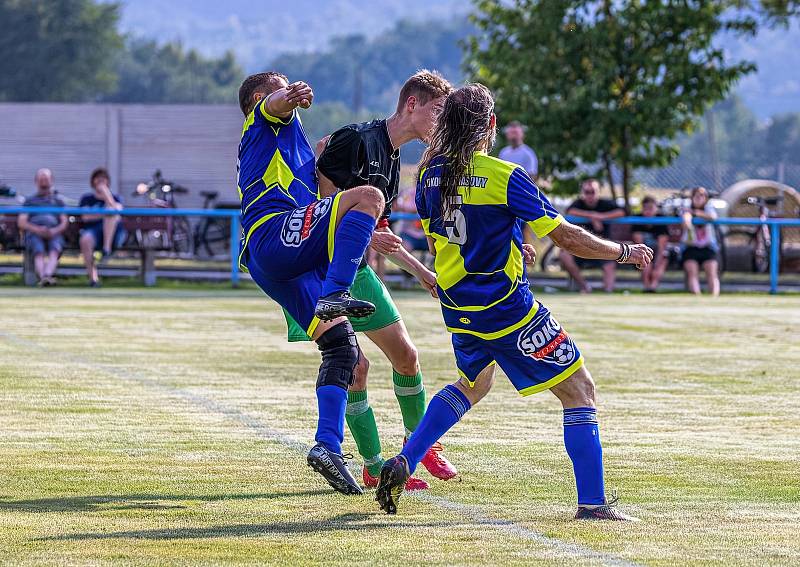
[
  {"x": 172, "y": 233},
  {"x": 761, "y": 242},
  {"x": 212, "y": 235}
]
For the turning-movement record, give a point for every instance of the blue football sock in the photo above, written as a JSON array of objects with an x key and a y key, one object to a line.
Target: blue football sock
[
  {"x": 444, "y": 411},
  {"x": 331, "y": 401},
  {"x": 582, "y": 440},
  {"x": 352, "y": 238}
]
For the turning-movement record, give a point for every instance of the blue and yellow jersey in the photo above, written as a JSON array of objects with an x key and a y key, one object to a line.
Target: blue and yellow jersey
[
  {"x": 483, "y": 287},
  {"x": 276, "y": 171}
]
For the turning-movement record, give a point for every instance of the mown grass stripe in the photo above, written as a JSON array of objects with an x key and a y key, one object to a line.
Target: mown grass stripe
[{"x": 257, "y": 426}]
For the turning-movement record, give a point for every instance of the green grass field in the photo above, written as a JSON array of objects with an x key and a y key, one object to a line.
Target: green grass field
[{"x": 169, "y": 426}]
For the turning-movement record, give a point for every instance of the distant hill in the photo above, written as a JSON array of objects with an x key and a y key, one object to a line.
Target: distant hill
[{"x": 259, "y": 31}]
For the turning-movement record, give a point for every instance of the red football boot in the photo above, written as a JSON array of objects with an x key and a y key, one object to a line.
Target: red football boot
[
  {"x": 411, "y": 484},
  {"x": 436, "y": 463}
]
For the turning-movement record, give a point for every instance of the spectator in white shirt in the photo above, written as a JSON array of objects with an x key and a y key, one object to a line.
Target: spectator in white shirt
[{"x": 517, "y": 152}]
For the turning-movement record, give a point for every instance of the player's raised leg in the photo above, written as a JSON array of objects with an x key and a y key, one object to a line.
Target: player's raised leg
[
  {"x": 356, "y": 215},
  {"x": 582, "y": 441}
]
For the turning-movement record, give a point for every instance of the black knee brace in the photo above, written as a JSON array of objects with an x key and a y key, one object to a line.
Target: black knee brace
[{"x": 339, "y": 356}]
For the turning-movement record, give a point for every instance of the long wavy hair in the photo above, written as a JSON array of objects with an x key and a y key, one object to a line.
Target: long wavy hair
[{"x": 463, "y": 127}]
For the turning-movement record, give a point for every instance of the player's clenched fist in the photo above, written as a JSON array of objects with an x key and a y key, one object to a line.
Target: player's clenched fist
[
  {"x": 299, "y": 93},
  {"x": 529, "y": 253},
  {"x": 640, "y": 255},
  {"x": 385, "y": 241}
]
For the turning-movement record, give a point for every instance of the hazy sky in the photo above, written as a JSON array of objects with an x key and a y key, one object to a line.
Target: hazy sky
[{"x": 257, "y": 30}]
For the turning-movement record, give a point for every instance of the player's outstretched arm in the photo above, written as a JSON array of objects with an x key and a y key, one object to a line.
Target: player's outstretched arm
[{"x": 584, "y": 244}]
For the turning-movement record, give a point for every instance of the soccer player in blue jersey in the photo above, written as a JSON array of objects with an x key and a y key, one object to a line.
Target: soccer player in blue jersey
[
  {"x": 304, "y": 252},
  {"x": 473, "y": 208}
]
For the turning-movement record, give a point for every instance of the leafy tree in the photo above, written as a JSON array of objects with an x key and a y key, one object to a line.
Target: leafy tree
[
  {"x": 776, "y": 11},
  {"x": 367, "y": 73},
  {"x": 152, "y": 73},
  {"x": 57, "y": 50},
  {"x": 605, "y": 82}
]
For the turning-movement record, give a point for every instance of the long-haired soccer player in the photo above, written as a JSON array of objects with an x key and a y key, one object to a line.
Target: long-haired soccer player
[{"x": 473, "y": 207}]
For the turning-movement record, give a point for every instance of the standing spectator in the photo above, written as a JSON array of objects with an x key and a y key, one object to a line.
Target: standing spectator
[
  {"x": 590, "y": 206},
  {"x": 655, "y": 236},
  {"x": 700, "y": 243},
  {"x": 100, "y": 233},
  {"x": 517, "y": 151},
  {"x": 44, "y": 231}
]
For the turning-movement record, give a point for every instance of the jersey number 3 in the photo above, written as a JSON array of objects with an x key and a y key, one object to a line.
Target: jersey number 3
[{"x": 455, "y": 223}]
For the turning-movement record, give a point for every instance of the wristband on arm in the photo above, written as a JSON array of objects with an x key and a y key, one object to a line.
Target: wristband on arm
[{"x": 624, "y": 254}]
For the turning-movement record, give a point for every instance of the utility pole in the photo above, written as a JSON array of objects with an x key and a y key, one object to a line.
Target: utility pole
[
  {"x": 712, "y": 142},
  {"x": 358, "y": 88}
]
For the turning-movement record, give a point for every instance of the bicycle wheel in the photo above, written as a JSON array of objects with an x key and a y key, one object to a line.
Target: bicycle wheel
[
  {"x": 761, "y": 246},
  {"x": 549, "y": 261},
  {"x": 216, "y": 237},
  {"x": 182, "y": 243}
]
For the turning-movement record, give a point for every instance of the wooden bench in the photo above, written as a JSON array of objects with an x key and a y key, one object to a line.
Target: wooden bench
[{"x": 137, "y": 227}]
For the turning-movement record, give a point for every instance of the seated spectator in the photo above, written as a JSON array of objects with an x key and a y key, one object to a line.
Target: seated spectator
[
  {"x": 100, "y": 234},
  {"x": 44, "y": 238},
  {"x": 590, "y": 206},
  {"x": 700, "y": 244},
  {"x": 656, "y": 237}
]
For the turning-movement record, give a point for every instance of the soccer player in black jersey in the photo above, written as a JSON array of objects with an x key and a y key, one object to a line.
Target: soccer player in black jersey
[{"x": 369, "y": 153}]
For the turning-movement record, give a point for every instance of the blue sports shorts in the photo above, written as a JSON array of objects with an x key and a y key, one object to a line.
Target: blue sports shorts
[
  {"x": 37, "y": 245},
  {"x": 535, "y": 357},
  {"x": 288, "y": 255}
]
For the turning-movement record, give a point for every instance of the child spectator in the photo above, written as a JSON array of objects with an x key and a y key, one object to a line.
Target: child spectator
[
  {"x": 655, "y": 236},
  {"x": 700, "y": 243}
]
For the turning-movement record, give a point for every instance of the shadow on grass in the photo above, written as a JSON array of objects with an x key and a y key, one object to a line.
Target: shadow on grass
[
  {"x": 342, "y": 522},
  {"x": 136, "y": 501}
]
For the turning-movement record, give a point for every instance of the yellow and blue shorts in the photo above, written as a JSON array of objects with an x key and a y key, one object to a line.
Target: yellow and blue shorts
[
  {"x": 288, "y": 255},
  {"x": 535, "y": 357}
]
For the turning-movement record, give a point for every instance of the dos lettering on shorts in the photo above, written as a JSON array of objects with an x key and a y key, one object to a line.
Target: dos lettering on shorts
[{"x": 301, "y": 222}]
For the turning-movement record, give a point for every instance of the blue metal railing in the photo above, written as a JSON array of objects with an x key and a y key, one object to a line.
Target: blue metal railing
[
  {"x": 232, "y": 214},
  {"x": 774, "y": 224}
]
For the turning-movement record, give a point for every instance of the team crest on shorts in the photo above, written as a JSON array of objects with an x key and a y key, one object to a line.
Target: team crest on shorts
[
  {"x": 301, "y": 222},
  {"x": 545, "y": 340}
]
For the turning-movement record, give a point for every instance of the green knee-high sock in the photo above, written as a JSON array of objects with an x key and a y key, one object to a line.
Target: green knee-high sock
[
  {"x": 411, "y": 396},
  {"x": 361, "y": 422}
]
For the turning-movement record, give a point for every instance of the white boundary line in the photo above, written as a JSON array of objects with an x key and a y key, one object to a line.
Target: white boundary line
[{"x": 474, "y": 513}]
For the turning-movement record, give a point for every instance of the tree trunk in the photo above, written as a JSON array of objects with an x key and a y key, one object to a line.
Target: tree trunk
[
  {"x": 609, "y": 175},
  {"x": 626, "y": 170}
]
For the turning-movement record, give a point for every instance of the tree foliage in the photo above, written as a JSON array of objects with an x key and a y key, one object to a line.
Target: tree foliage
[
  {"x": 368, "y": 73},
  {"x": 57, "y": 50},
  {"x": 152, "y": 73},
  {"x": 604, "y": 82}
]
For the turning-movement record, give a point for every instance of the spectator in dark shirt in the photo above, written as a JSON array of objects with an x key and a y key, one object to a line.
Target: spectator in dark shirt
[
  {"x": 655, "y": 236},
  {"x": 44, "y": 231},
  {"x": 100, "y": 234},
  {"x": 590, "y": 206}
]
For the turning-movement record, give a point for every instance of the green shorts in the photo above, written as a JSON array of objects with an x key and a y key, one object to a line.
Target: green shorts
[{"x": 369, "y": 287}]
